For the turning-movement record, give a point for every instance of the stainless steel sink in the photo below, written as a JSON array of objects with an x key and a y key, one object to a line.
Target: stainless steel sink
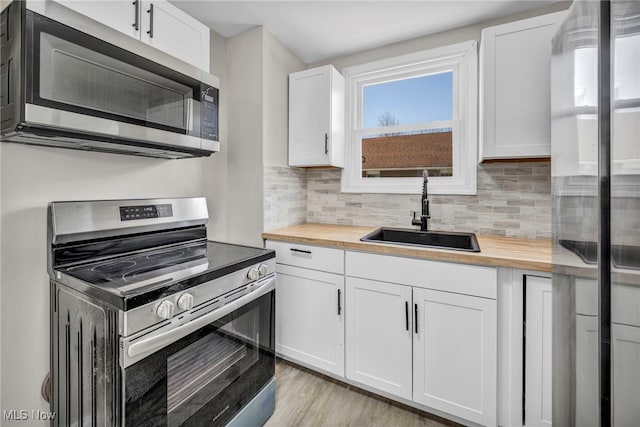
[{"x": 430, "y": 239}]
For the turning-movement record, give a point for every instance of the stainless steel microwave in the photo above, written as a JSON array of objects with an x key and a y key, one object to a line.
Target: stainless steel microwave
[{"x": 62, "y": 86}]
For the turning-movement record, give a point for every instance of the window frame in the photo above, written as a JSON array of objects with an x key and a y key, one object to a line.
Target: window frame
[{"x": 462, "y": 59}]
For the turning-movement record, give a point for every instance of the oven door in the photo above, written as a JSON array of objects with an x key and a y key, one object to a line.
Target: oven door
[{"x": 207, "y": 376}]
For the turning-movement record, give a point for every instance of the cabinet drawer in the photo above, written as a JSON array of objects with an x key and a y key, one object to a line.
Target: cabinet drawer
[
  {"x": 307, "y": 256},
  {"x": 444, "y": 276}
]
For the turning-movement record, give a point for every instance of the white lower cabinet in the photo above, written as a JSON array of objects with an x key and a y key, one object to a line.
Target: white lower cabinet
[
  {"x": 538, "y": 352},
  {"x": 379, "y": 335},
  {"x": 430, "y": 346},
  {"x": 419, "y": 330},
  {"x": 454, "y": 354},
  {"x": 310, "y": 317}
]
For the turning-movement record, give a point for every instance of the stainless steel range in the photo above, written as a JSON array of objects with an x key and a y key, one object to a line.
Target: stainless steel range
[{"x": 153, "y": 325}]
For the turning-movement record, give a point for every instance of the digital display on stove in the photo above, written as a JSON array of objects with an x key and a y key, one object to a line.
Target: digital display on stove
[{"x": 129, "y": 213}]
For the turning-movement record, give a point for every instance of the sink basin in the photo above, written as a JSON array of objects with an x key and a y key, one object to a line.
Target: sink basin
[{"x": 429, "y": 239}]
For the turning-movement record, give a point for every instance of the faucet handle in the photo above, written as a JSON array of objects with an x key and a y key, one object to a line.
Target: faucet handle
[{"x": 416, "y": 221}]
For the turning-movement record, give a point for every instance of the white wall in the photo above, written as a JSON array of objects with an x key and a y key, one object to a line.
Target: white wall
[
  {"x": 244, "y": 186},
  {"x": 285, "y": 189},
  {"x": 279, "y": 62},
  {"x": 216, "y": 172},
  {"x": 259, "y": 66},
  {"x": 470, "y": 32},
  {"x": 33, "y": 176}
]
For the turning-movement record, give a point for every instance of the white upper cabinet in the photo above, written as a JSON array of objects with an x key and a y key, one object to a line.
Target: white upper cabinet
[
  {"x": 515, "y": 88},
  {"x": 172, "y": 31},
  {"x": 316, "y": 117},
  {"x": 123, "y": 16},
  {"x": 157, "y": 23}
]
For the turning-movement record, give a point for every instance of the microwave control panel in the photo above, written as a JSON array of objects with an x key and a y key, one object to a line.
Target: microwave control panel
[{"x": 209, "y": 112}]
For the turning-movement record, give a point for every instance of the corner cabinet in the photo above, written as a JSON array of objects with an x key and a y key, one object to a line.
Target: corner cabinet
[
  {"x": 310, "y": 305},
  {"x": 157, "y": 23},
  {"x": 515, "y": 88},
  {"x": 316, "y": 117}
]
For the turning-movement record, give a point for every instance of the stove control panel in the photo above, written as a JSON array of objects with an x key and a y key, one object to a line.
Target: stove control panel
[
  {"x": 129, "y": 213},
  {"x": 197, "y": 299}
]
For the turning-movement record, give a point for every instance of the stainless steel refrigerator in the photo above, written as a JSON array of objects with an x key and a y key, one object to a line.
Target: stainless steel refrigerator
[{"x": 595, "y": 92}]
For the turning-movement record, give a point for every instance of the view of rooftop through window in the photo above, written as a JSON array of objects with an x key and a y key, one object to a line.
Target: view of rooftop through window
[{"x": 416, "y": 143}]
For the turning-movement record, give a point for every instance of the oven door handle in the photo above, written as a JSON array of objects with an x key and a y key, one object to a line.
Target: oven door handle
[{"x": 154, "y": 343}]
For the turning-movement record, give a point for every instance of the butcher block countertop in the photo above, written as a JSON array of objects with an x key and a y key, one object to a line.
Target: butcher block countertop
[{"x": 527, "y": 254}]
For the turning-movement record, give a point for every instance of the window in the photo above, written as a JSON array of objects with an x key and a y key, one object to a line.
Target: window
[{"x": 411, "y": 113}]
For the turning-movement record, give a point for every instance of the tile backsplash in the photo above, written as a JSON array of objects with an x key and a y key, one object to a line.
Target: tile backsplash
[
  {"x": 513, "y": 199},
  {"x": 285, "y": 197}
]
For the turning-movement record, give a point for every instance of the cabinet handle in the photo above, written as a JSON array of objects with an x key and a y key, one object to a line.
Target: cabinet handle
[
  {"x": 326, "y": 143},
  {"x": 339, "y": 306},
  {"x": 416, "y": 317},
  {"x": 304, "y": 251},
  {"x": 9, "y": 85},
  {"x": 150, "y": 12},
  {"x": 136, "y": 21},
  {"x": 406, "y": 314}
]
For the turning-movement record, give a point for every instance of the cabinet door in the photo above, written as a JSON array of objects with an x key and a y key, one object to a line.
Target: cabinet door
[
  {"x": 310, "y": 317},
  {"x": 310, "y": 117},
  {"x": 117, "y": 14},
  {"x": 515, "y": 105},
  {"x": 172, "y": 31},
  {"x": 379, "y": 335},
  {"x": 626, "y": 375},
  {"x": 538, "y": 352},
  {"x": 454, "y": 354}
]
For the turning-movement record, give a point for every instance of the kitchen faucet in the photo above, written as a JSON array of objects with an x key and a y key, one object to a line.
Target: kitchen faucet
[{"x": 422, "y": 221}]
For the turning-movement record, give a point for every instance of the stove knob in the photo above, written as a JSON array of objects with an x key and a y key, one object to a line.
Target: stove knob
[
  {"x": 252, "y": 274},
  {"x": 263, "y": 270},
  {"x": 185, "y": 302},
  {"x": 165, "y": 310}
]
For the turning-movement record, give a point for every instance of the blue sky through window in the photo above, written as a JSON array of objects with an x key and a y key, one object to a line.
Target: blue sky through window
[{"x": 414, "y": 100}]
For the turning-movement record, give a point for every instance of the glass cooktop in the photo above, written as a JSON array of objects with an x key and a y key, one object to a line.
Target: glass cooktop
[{"x": 152, "y": 268}]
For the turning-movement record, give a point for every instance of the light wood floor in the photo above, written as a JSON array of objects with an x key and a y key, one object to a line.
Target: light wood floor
[{"x": 307, "y": 399}]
